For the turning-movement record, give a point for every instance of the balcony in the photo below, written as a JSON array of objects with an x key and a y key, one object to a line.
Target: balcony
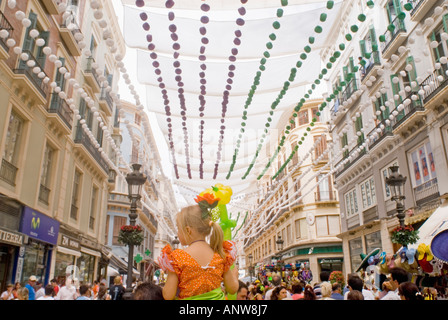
[
  {"x": 325, "y": 196},
  {"x": 52, "y": 6},
  {"x": 426, "y": 192},
  {"x": 372, "y": 67},
  {"x": 380, "y": 132},
  {"x": 413, "y": 111},
  {"x": 393, "y": 38},
  {"x": 26, "y": 79},
  {"x": 8, "y": 172},
  {"x": 91, "y": 76},
  {"x": 433, "y": 85},
  {"x": 61, "y": 108},
  {"x": 106, "y": 102},
  {"x": 81, "y": 138},
  {"x": 356, "y": 155},
  {"x": 420, "y": 8},
  {"x": 347, "y": 95},
  {"x": 5, "y": 25},
  {"x": 68, "y": 29}
]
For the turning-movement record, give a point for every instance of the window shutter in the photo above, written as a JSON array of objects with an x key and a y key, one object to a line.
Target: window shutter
[
  {"x": 28, "y": 42},
  {"x": 60, "y": 80},
  {"x": 362, "y": 46},
  {"x": 395, "y": 88}
]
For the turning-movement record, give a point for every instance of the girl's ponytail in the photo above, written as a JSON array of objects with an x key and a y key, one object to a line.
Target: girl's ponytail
[{"x": 217, "y": 238}]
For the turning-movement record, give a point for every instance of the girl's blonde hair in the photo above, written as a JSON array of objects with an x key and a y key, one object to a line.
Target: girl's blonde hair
[{"x": 192, "y": 217}]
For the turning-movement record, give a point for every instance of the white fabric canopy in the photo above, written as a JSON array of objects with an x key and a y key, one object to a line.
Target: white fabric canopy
[{"x": 296, "y": 26}]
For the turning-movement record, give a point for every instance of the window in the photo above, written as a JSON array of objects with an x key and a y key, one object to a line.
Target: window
[
  {"x": 442, "y": 49},
  {"x": 135, "y": 151},
  {"x": 373, "y": 241},
  {"x": 351, "y": 203},
  {"x": 327, "y": 226},
  {"x": 355, "y": 246},
  {"x": 422, "y": 164},
  {"x": 368, "y": 193},
  {"x": 29, "y": 43},
  {"x": 321, "y": 147},
  {"x": 303, "y": 117},
  {"x": 288, "y": 234},
  {"x": 301, "y": 229},
  {"x": 385, "y": 174},
  {"x": 75, "y": 195},
  {"x": 118, "y": 223},
  {"x": 324, "y": 192},
  {"x": 93, "y": 205},
  {"x": 44, "y": 191},
  {"x": 12, "y": 145}
]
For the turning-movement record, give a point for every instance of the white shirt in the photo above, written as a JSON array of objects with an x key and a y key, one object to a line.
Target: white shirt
[
  {"x": 366, "y": 294},
  {"x": 67, "y": 293},
  {"x": 392, "y": 295},
  {"x": 45, "y": 298},
  {"x": 5, "y": 294}
]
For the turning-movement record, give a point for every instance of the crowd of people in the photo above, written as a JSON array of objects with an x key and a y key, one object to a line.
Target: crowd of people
[
  {"x": 34, "y": 290},
  {"x": 396, "y": 287}
]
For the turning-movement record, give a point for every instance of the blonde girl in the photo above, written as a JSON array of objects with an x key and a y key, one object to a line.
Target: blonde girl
[{"x": 197, "y": 272}]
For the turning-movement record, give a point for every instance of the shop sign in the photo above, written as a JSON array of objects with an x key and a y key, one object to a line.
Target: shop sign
[
  {"x": 11, "y": 237},
  {"x": 70, "y": 243},
  {"x": 330, "y": 261},
  {"x": 19, "y": 268},
  {"x": 39, "y": 226}
]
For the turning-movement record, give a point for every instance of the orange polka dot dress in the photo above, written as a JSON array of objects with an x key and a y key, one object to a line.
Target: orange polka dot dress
[{"x": 195, "y": 279}]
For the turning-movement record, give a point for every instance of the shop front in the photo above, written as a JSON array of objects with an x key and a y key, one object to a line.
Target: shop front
[
  {"x": 88, "y": 262},
  {"x": 11, "y": 240},
  {"x": 36, "y": 254},
  {"x": 67, "y": 252}
]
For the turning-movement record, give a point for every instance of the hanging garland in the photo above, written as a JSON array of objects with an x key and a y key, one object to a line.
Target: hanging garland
[
  {"x": 303, "y": 56},
  {"x": 232, "y": 58},
  {"x": 158, "y": 72}
]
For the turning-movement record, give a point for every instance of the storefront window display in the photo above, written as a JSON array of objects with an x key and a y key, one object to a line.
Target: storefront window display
[
  {"x": 36, "y": 261},
  {"x": 355, "y": 252},
  {"x": 86, "y": 265},
  {"x": 63, "y": 261}
]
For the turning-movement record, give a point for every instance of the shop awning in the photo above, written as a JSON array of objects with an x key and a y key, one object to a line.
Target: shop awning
[
  {"x": 68, "y": 251},
  {"x": 91, "y": 252},
  {"x": 435, "y": 224}
]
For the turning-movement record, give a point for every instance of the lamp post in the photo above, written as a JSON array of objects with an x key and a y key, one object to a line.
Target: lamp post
[
  {"x": 251, "y": 257},
  {"x": 279, "y": 243},
  {"x": 135, "y": 181},
  {"x": 396, "y": 183}
]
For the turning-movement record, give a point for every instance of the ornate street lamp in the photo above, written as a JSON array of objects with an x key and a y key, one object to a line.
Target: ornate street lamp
[
  {"x": 135, "y": 181},
  {"x": 396, "y": 183},
  {"x": 279, "y": 243}
]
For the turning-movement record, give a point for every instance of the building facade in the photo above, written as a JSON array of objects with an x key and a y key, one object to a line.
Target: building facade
[
  {"x": 308, "y": 220},
  {"x": 389, "y": 108},
  {"x": 56, "y": 155}
]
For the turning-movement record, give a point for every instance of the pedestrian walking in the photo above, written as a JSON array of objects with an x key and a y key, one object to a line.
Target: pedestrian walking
[
  {"x": 30, "y": 286},
  {"x": 67, "y": 292},
  {"x": 279, "y": 293},
  {"x": 15, "y": 290},
  {"x": 117, "y": 290},
  {"x": 48, "y": 293},
  {"x": 309, "y": 293},
  {"x": 409, "y": 291},
  {"x": 8, "y": 295},
  {"x": 326, "y": 291},
  {"x": 354, "y": 282},
  {"x": 84, "y": 292},
  {"x": 337, "y": 291},
  {"x": 147, "y": 291},
  {"x": 22, "y": 294}
]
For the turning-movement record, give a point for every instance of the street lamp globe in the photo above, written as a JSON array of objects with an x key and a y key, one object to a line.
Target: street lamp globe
[
  {"x": 279, "y": 243},
  {"x": 135, "y": 181},
  {"x": 396, "y": 183}
]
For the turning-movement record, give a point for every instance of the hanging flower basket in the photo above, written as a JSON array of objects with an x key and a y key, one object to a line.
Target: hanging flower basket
[
  {"x": 404, "y": 235},
  {"x": 131, "y": 235},
  {"x": 337, "y": 276}
]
